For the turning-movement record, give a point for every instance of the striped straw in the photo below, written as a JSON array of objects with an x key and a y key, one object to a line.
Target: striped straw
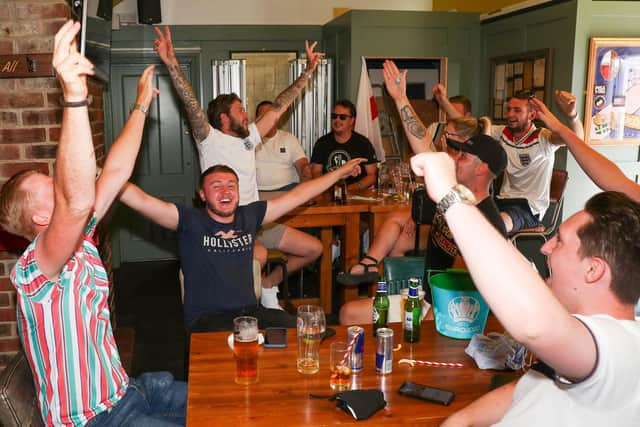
[
  {"x": 431, "y": 364},
  {"x": 349, "y": 348}
]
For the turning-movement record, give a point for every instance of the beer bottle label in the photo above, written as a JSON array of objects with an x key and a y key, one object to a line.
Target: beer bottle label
[
  {"x": 408, "y": 321},
  {"x": 376, "y": 315}
]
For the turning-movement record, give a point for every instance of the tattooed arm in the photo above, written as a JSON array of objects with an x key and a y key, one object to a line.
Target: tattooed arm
[
  {"x": 396, "y": 83},
  {"x": 197, "y": 118},
  {"x": 282, "y": 101}
]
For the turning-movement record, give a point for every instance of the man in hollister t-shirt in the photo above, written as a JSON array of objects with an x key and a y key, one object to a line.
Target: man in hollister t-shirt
[{"x": 216, "y": 243}]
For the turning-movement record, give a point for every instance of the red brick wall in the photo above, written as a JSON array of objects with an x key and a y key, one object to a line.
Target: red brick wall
[{"x": 30, "y": 120}]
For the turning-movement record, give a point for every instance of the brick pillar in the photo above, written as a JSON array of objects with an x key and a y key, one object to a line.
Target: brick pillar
[{"x": 30, "y": 119}]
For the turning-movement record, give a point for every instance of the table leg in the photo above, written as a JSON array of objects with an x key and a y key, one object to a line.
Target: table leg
[
  {"x": 326, "y": 236},
  {"x": 351, "y": 252}
]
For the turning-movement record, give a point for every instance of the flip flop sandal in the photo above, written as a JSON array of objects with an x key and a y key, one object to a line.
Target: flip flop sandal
[{"x": 350, "y": 279}]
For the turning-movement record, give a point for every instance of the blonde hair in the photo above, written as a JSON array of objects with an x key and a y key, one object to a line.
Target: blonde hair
[
  {"x": 469, "y": 126},
  {"x": 14, "y": 204}
]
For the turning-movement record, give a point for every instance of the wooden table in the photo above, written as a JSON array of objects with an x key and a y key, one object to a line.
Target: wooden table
[
  {"x": 281, "y": 396},
  {"x": 326, "y": 214}
]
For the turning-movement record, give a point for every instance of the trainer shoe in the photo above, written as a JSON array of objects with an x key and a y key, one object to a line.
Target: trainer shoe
[{"x": 269, "y": 298}]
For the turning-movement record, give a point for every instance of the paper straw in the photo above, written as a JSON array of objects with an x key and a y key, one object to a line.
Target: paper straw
[
  {"x": 349, "y": 348},
  {"x": 431, "y": 364}
]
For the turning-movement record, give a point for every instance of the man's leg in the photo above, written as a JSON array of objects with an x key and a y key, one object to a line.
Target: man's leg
[
  {"x": 516, "y": 214},
  {"x": 301, "y": 249},
  {"x": 389, "y": 240}
]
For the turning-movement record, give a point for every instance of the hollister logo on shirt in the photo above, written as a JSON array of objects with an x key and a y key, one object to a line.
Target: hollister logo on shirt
[
  {"x": 230, "y": 241},
  {"x": 525, "y": 159}
]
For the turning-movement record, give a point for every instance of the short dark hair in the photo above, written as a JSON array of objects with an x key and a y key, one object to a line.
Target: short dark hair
[
  {"x": 346, "y": 104},
  {"x": 461, "y": 99},
  {"x": 215, "y": 169},
  {"x": 612, "y": 234},
  {"x": 221, "y": 104},
  {"x": 262, "y": 104},
  {"x": 523, "y": 95}
]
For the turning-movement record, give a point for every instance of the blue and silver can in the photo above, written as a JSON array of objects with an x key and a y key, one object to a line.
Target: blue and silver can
[
  {"x": 384, "y": 351},
  {"x": 357, "y": 352}
]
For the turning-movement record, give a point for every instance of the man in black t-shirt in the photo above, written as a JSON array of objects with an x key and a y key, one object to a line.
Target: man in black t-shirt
[
  {"x": 343, "y": 144},
  {"x": 215, "y": 244}
]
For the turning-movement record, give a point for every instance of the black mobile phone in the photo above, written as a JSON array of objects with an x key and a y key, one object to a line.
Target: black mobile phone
[
  {"x": 432, "y": 394},
  {"x": 328, "y": 333},
  {"x": 275, "y": 337}
]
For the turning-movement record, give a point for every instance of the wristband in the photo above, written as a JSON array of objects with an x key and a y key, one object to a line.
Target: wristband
[
  {"x": 573, "y": 118},
  {"x": 307, "y": 75},
  {"x": 139, "y": 107},
  {"x": 74, "y": 104}
]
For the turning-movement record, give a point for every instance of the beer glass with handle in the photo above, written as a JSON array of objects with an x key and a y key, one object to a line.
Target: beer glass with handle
[
  {"x": 245, "y": 349},
  {"x": 311, "y": 328}
]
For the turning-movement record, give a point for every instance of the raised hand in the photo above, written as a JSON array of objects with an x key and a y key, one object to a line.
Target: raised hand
[
  {"x": 394, "y": 79},
  {"x": 567, "y": 103},
  {"x": 439, "y": 92},
  {"x": 164, "y": 46},
  {"x": 71, "y": 67},
  {"x": 543, "y": 113},
  {"x": 351, "y": 168},
  {"x": 439, "y": 173},
  {"x": 313, "y": 58},
  {"x": 146, "y": 91}
]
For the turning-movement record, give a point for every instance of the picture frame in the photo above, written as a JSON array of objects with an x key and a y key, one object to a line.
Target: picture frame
[
  {"x": 612, "y": 104},
  {"x": 512, "y": 73}
]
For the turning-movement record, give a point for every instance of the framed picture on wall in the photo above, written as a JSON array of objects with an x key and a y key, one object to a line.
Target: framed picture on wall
[
  {"x": 530, "y": 71},
  {"x": 612, "y": 107}
]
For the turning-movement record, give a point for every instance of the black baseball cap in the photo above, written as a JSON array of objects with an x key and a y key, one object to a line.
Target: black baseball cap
[{"x": 486, "y": 149}]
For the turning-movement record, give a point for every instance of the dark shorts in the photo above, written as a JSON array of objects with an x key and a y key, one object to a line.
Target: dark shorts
[{"x": 519, "y": 211}]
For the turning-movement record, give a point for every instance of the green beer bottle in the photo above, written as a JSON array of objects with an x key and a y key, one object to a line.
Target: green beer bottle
[
  {"x": 380, "y": 308},
  {"x": 412, "y": 313}
]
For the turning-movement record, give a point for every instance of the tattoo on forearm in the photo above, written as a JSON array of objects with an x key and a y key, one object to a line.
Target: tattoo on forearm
[
  {"x": 197, "y": 118},
  {"x": 414, "y": 126},
  {"x": 288, "y": 95}
]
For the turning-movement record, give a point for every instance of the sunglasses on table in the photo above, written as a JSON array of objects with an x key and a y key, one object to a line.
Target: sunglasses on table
[{"x": 340, "y": 116}]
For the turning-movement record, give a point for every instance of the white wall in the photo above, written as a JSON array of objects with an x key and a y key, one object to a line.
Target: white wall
[{"x": 260, "y": 12}]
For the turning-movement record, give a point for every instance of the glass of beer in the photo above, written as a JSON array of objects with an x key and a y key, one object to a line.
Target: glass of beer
[
  {"x": 339, "y": 366},
  {"x": 311, "y": 328},
  {"x": 245, "y": 349}
]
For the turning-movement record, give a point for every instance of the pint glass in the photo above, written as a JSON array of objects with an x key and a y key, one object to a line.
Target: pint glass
[
  {"x": 245, "y": 349},
  {"x": 311, "y": 328}
]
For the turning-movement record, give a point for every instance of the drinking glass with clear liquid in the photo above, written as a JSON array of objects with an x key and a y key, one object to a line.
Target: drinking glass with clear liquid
[
  {"x": 310, "y": 330},
  {"x": 245, "y": 349}
]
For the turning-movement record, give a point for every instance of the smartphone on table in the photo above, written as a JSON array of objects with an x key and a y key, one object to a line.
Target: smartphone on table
[
  {"x": 431, "y": 394},
  {"x": 275, "y": 337}
]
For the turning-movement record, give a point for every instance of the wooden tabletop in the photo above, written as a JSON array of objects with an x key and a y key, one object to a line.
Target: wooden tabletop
[{"x": 281, "y": 396}]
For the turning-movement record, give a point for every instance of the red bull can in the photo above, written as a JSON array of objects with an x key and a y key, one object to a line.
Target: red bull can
[
  {"x": 357, "y": 351},
  {"x": 384, "y": 351}
]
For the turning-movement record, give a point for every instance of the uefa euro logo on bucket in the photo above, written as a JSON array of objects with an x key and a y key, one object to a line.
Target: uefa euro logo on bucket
[{"x": 458, "y": 308}]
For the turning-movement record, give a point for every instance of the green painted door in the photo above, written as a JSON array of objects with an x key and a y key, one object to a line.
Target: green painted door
[{"x": 167, "y": 165}]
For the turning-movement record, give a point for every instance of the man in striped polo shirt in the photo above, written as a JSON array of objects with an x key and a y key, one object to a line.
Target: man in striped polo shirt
[{"x": 62, "y": 287}]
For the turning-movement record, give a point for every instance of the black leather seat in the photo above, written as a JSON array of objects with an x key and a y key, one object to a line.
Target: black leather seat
[{"x": 18, "y": 400}]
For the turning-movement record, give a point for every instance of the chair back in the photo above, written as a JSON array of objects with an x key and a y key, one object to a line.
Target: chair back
[
  {"x": 398, "y": 271},
  {"x": 422, "y": 207}
]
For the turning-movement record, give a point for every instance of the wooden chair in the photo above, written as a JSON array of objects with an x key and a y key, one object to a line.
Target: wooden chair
[{"x": 551, "y": 220}]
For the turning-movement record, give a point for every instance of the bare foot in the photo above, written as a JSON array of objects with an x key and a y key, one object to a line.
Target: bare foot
[{"x": 359, "y": 269}]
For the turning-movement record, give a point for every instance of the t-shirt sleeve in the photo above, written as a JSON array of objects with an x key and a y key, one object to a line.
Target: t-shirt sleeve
[
  {"x": 614, "y": 381},
  {"x": 254, "y": 136},
  {"x": 490, "y": 211},
  {"x": 319, "y": 155},
  {"x": 256, "y": 211},
  {"x": 295, "y": 148}
]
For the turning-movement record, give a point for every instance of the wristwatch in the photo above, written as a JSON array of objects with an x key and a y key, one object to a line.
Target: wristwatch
[{"x": 458, "y": 193}]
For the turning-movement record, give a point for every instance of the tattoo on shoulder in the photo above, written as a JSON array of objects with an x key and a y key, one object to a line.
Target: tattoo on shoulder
[
  {"x": 195, "y": 114},
  {"x": 414, "y": 126}
]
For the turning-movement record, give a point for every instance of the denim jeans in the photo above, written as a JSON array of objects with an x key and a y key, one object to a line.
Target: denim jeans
[{"x": 152, "y": 399}]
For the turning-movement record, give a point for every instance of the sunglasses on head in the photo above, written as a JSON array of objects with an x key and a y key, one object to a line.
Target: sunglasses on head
[{"x": 340, "y": 116}]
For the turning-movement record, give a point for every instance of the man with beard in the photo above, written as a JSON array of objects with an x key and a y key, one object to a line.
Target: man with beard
[
  {"x": 215, "y": 244},
  {"x": 227, "y": 138},
  {"x": 524, "y": 195}
]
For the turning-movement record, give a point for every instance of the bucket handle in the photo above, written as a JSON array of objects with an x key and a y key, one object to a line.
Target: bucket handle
[{"x": 446, "y": 270}]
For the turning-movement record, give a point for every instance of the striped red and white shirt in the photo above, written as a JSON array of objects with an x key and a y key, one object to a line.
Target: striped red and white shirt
[{"x": 66, "y": 334}]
